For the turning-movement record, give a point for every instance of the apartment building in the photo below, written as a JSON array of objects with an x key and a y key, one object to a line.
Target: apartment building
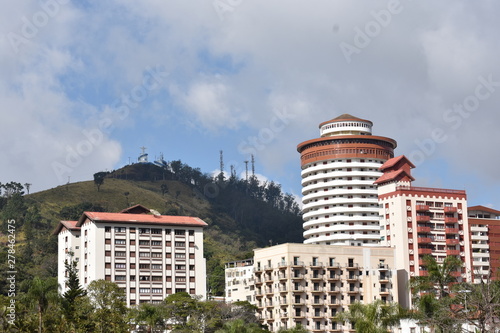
[
  {"x": 421, "y": 221},
  {"x": 239, "y": 281},
  {"x": 484, "y": 230},
  {"x": 309, "y": 284},
  {"x": 148, "y": 255},
  {"x": 340, "y": 203}
]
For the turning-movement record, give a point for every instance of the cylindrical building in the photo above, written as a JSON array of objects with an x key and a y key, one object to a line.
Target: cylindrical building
[{"x": 340, "y": 204}]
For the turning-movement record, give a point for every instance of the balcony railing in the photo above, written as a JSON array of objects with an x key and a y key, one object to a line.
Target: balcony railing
[
  {"x": 424, "y": 251},
  {"x": 421, "y": 208},
  {"x": 448, "y": 219},
  {"x": 451, "y": 230},
  {"x": 423, "y": 218},
  {"x": 423, "y": 229},
  {"x": 452, "y": 241},
  {"x": 452, "y": 252},
  {"x": 450, "y": 209}
]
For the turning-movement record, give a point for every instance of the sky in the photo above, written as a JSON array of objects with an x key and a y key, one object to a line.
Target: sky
[{"x": 84, "y": 85}]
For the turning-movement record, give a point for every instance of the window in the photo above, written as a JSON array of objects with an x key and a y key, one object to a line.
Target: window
[
  {"x": 156, "y": 291},
  {"x": 156, "y": 243},
  {"x": 144, "y": 278},
  {"x": 119, "y": 229},
  {"x": 144, "y": 230},
  {"x": 180, "y": 244},
  {"x": 144, "y": 242},
  {"x": 120, "y": 253},
  {"x": 156, "y": 231},
  {"x": 144, "y": 254},
  {"x": 120, "y": 277},
  {"x": 180, "y": 267},
  {"x": 144, "y": 290},
  {"x": 179, "y": 232},
  {"x": 156, "y": 278},
  {"x": 120, "y": 241},
  {"x": 120, "y": 266},
  {"x": 180, "y": 255},
  {"x": 143, "y": 266},
  {"x": 156, "y": 254},
  {"x": 156, "y": 266}
]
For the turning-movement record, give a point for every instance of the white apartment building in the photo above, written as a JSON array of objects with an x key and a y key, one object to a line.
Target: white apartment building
[
  {"x": 309, "y": 284},
  {"x": 148, "y": 255},
  {"x": 340, "y": 204},
  {"x": 239, "y": 281}
]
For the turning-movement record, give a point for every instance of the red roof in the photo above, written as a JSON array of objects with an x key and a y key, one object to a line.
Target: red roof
[
  {"x": 393, "y": 175},
  {"x": 136, "y": 209},
  {"x": 344, "y": 117},
  {"x": 484, "y": 209},
  {"x": 142, "y": 218},
  {"x": 70, "y": 225},
  {"x": 393, "y": 161}
]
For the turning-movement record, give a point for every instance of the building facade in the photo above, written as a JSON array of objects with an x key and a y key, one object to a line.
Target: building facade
[
  {"x": 148, "y": 255},
  {"x": 340, "y": 203},
  {"x": 484, "y": 230},
  {"x": 421, "y": 221},
  {"x": 239, "y": 282},
  {"x": 309, "y": 284}
]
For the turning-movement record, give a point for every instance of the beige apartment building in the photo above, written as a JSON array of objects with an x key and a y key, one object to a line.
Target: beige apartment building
[
  {"x": 239, "y": 281},
  {"x": 309, "y": 284},
  {"x": 148, "y": 255}
]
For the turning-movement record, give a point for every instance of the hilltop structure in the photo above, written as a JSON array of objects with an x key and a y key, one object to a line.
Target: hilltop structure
[{"x": 149, "y": 256}]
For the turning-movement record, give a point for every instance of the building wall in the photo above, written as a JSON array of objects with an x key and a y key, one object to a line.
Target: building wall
[
  {"x": 148, "y": 261},
  {"x": 423, "y": 221},
  {"x": 68, "y": 241},
  {"x": 338, "y": 171},
  {"x": 239, "y": 281},
  {"x": 309, "y": 284}
]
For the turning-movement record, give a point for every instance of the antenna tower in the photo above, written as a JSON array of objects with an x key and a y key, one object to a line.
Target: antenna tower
[
  {"x": 253, "y": 166},
  {"x": 246, "y": 171}
]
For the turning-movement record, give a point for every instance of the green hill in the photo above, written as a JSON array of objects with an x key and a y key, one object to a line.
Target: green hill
[{"x": 241, "y": 214}]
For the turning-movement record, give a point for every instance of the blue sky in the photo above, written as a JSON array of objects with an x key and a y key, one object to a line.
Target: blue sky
[{"x": 83, "y": 85}]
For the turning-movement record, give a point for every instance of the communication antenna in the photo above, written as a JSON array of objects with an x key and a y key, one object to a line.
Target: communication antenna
[
  {"x": 246, "y": 171},
  {"x": 253, "y": 166},
  {"x": 221, "y": 161},
  {"x": 27, "y": 185}
]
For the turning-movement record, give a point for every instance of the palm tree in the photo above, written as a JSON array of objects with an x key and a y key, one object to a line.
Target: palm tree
[
  {"x": 431, "y": 293},
  {"x": 41, "y": 293},
  {"x": 376, "y": 317}
]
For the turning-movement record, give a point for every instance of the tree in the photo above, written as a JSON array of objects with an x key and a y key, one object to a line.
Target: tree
[
  {"x": 239, "y": 326},
  {"x": 179, "y": 307},
  {"x": 431, "y": 294},
  {"x": 74, "y": 289},
  {"x": 41, "y": 293},
  {"x": 99, "y": 179},
  {"x": 152, "y": 315},
  {"x": 296, "y": 329},
  {"x": 478, "y": 304},
  {"x": 376, "y": 317},
  {"x": 109, "y": 305}
]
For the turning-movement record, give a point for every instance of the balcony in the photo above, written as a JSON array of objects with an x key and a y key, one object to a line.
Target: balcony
[
  {"x": 451, "y": 230},
  {"x": 423, "y": 218},
  {"x": 333, "y": 277},
  {"x": 298, "y": 277},
  {"x": 352, "y": 277},
  {"x": 317, "y": 290},
  {"x": 448, "y": 219},
  {"x": 383, "y": 267},
  {"x": 316, "y": 264},
  {"x": 452, "y": 241},
  {"x": 452, "y": 252},
  {"x": 298, "y": 264},
  {"x": 315, "y": 276},
  {"x": 424, "y": 251},
  {"x": 456, "y": 274},
  {"x": 352, "y": 266},
  {"x": 422, "y": 208},
  {"x": 423, "y": 229},
  {"x": 384, "y": 291},
  {"x": 333, "y": 265},
  {"x": 424, "y": 240},
  {"x": 383, "y": 278},
  {"x": 353, "y": 290},
  {"x": 333, "y": 290},
  {"x": 450, "y": 209}
]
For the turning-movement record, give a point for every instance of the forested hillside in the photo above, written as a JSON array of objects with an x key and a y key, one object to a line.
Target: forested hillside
[{"x": 241, "y": 214}]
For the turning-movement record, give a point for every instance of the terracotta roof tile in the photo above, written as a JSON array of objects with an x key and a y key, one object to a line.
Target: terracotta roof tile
[
  {"x": 142, "y": 218},
  {"x": 484, "y": 209},
  {"x": 392, "y": 175},
  {"x": 393, "y": 161}
]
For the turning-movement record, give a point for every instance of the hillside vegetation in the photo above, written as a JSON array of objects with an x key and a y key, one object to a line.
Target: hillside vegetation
[{"x": 241, "y": 214}]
